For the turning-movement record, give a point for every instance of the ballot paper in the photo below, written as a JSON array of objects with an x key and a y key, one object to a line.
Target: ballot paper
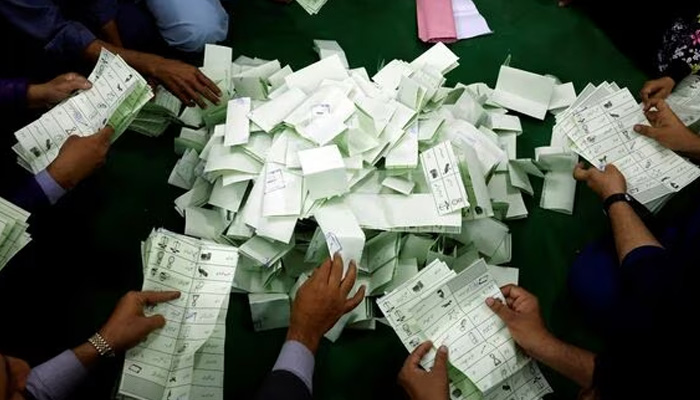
[
  {"x": 118, "y": 93},
  {"x": 449, "y": 20},
  {"x": 13, "y": 231},
  {"x": 157, "y": 115},
  {"x": 185, "y": 358},
  {"x": 523, "y": 92},
  {"x": 442, "y": 172},
  {"x": 469, "y": 22},
  {"x": 604, "y": 134},
  {"x": 456, "y": 315},
  {"x": 312, "y": 6},
  {"x": 297, "y": 166}
]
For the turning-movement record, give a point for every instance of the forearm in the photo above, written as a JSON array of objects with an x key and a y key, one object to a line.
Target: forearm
[
  {"x": 110, "y": 33},
  {"x": 87, "y": 355},
  {"x": 629, "y": 230},
  {"x": 573, "y": 362},
  {"x": 693, "y": 147},
  {"x": 142, "y": 62}
]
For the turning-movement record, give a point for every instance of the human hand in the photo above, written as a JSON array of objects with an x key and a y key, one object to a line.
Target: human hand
[
  {"x": 321, "y": 301},
  {"x": 53, "y": 92},
  {"x": 604, "y": 183},
  {"x": 657, "y": 89},
  {"x": 521, "y": 314},
  {"x": 128, "y": 326},
  {"x": 186, "y": 82},
  {"x": 79, "y": 157},
  {"x": 421, "y": 384},
  {"x": 667, "y": 129}
]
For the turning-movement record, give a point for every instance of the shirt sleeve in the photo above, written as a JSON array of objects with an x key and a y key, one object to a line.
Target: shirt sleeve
[
  {"x": 50, "y": 187},
  {"x": 57, "y": 378},
  {"x": 42, "y": 20},
  {"x": 13, "y": 93},
  {"x": 297, "y": 359},
  {"x": 102, "y": 11}
]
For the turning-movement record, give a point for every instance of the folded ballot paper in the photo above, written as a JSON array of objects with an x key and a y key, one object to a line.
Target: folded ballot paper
[
  {"x": 185, "y": 359},
  {"x": 13, "y": 231},
  {"x": 118, "y": 93},
  {"x": 600, "y": 128},
  {"x": 412, "y": 179},
  {"x": 449, "y": 20},
  {"x": 312, "y": 6}
]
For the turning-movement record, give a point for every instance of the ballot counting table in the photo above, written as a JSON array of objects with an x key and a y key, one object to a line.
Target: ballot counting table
[{"x": 86, "y": 250}]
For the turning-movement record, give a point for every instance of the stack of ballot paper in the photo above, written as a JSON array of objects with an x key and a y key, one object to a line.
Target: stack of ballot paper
[
  {"x": 447, "y": 308},
  {"x": 685, "y": 101},
  {"x": 156, "y": 115},
  {"x": 118, "y": 93},
  {"x": 599, "y": 126},
  {"x": 185, "y": 359},
  {"x": 13, "y": 231},
  {"x": 449, "y": 20},
  {"x": 312, "y": 6}
]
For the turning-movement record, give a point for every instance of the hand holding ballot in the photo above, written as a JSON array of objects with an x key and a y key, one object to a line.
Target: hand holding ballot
[
  {"x": 657, "y": 89},
  {"x": 604, "y": 183},
  {"x": 421, "y": 384},
  {"x": 128, "y": 326},
  {"x": 186, "y": 82},
  {"x": 322, "y": 301},
  {"x": 55, "y": 91},
  {"x": 667, "y": 129},
  {"x": 79, "y": 157}
]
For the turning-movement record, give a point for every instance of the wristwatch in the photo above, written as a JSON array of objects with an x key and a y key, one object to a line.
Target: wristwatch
[
  {"x": 101, "y": 345},
  {"x": 615, "y": 198}
]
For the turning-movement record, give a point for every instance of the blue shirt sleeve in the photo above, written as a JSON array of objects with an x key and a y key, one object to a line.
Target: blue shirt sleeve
[
  {"x": 50, "y": 187},
  {"x": 102, "y": 11},
  {"x": 42, "y": 20},
  {"x": 297, "y": 359},
  {"x": 57, "y": 378}
]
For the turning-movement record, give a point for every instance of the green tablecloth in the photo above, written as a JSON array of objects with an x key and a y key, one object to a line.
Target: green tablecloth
[{"x": 86, "y": 249}]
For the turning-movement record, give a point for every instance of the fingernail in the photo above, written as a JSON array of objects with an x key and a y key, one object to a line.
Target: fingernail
[
  {"x": 443, "y": 349},
  {"x": 637, "y": 128},
  {"x": 490, "y": 301}
]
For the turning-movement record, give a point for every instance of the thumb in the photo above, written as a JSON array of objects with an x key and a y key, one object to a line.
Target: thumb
[
  {"x": 105, "y": 134},
  {"x": 440, "y": 364},
  {"x": 77, "y": 81},
  {"x": 154, "y": 322},
  {"x": 500, "y": 309},
  {"x": 646, "y": 130}
]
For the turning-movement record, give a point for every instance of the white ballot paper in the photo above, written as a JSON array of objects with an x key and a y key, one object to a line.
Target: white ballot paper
[
  {"x": 604, "y": 134},
  {"x": 237, "y": 122},
  {"x": 185, "y": 358},
  {"x": 523, "y": 92},
  {"x": 456, "y": 315},
  {"x": 441, "y": 170},
  {"x": 342, "y": 232}
]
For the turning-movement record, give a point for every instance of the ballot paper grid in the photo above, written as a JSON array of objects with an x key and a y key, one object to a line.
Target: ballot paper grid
[
  {"x": 185, "y": 358},
  {"x": 442, "y": 172},
  {"x": 118, "y": 92},
  {"x": 13, "y": 231},
  {"x": 604, "y": 134}
]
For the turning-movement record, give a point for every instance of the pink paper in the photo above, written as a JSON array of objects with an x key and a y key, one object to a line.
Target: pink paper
[{"x": 436, "y": 21}]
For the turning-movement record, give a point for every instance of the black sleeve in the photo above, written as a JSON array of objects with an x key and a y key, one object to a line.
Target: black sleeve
[
  {"x": 283, "y": 385},
  {"x": 638, "y": 358},
  {"x": 678, "y": 70}
]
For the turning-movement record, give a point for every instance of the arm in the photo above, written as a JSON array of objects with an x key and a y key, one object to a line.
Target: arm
[
  {"x": 57, "y": 378},
  {"x": 319, "y": 304},
  {"x": 110, "y": 33},
  {"x": 521, "y": 314},
  {"x": 628, "y": 229}
]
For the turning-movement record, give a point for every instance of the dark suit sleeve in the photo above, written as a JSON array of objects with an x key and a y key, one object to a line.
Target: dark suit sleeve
[
  {"x": 30, "y": 196},
  {"x": 283, "y": 385}
]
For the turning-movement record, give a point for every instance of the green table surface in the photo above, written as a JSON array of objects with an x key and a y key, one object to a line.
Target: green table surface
[{"x": 86, "y": 249}]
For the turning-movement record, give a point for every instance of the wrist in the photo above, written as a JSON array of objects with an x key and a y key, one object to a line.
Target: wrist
[
  {"x": 61, "y": 179},
  {"x": 309, "y": 339},
  {"x": 35, "y": 96},
  {"x": 541, "y": 344}
]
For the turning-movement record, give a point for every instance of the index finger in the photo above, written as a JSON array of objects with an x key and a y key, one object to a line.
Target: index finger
[
  {"x": 336, "y": 271},
  {"x": 105, "y": 133},
  {"x": 580, "y": 173},
  {"x": 417, "y": 355},
  {"x": 208, "y": 83},
  {"x": 155, "y": 297},
  {"x": 349, "y": 281}
]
